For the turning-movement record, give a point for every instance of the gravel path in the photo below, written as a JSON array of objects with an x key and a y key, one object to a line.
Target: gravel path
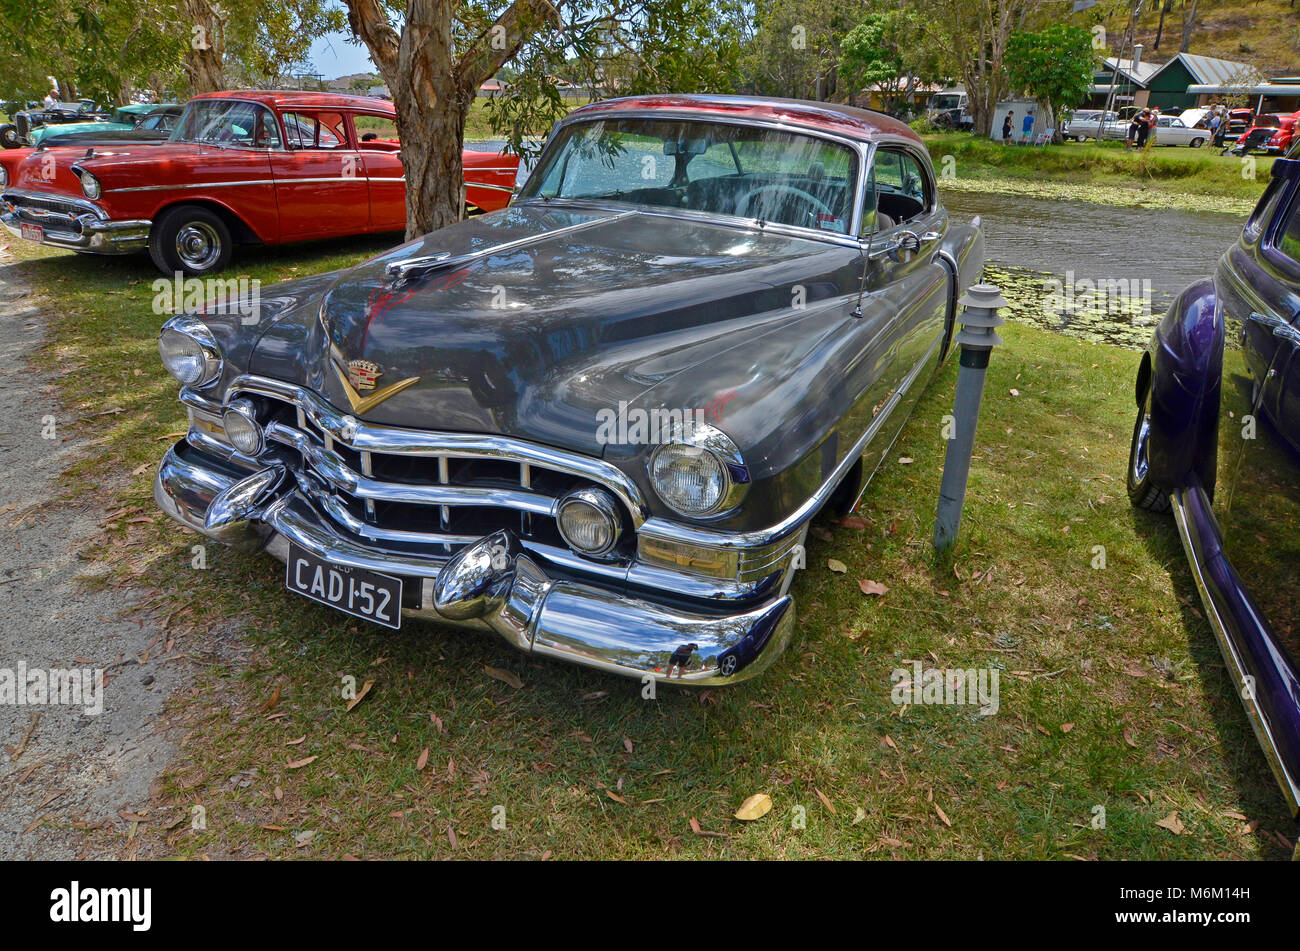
[{"x": 64, "y": 771}]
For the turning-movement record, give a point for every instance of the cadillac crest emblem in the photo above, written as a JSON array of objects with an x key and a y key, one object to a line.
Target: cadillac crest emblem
[{"x": 363, "y": 374}]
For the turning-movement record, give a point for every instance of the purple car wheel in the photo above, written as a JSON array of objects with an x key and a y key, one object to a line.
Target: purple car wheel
[{"x": 1142, "y": 491}]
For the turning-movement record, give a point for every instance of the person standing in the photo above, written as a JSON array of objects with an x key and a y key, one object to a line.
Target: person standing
[
  {"x": 1143, "y": 128},
  {"x": 51, "y": 98},
  {"x": 1132, "y": 133},
  {"x": 1027, "y": 129},
  {"x": 1153, "y": 123},
  {"x": 1006, "y": 127}
]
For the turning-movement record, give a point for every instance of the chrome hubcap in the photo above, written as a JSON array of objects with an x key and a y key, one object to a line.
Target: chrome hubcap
[
  {"x": 198, "y": 245},
  {"x": 1140, "y": 464}
]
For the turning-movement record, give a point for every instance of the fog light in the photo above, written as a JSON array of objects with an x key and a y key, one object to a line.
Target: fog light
[
  {"x": 589, "y": 520},
  {"x": 242, "y": 428}
]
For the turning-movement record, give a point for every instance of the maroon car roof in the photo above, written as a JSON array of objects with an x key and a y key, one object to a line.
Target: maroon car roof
[
  {"x": 288, "y": 98},
  {"x": 844, "y": 120}
]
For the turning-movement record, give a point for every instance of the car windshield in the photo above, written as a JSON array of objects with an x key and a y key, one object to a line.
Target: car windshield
[
  {"x": 227, "y": 122},
  {"x": 715, "y": 168}
]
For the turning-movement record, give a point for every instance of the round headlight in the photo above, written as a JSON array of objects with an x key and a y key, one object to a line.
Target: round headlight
[
  {"x": 690, "y": 479},
  {"x": 189, "y": 351},
  {"x": 243, "y": 430},
  {"x": 700, "y": 472},
  {"x": 4, "y": 177},
  {"x": 89, "y": 186},
  {"x": 588, "y": 520}
]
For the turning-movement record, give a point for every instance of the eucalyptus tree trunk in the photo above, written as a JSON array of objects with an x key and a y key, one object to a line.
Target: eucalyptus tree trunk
[
  {"x": 203, "y": 58},
  {"x": 1189, "y": 21},
  {"x": 433, "y": 85}
]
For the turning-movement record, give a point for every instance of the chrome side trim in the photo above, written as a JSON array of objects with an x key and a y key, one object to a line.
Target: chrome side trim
[
  {"x": 497, "y": 188},
  {"x": 161, "y": 188},
  {"x": 1290, "y": 786}
]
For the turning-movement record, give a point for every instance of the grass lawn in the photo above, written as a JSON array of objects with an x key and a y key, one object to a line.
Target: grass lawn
[
  {"x": 1104, "y": 172},
  {"x": 1113, "y": 698}
]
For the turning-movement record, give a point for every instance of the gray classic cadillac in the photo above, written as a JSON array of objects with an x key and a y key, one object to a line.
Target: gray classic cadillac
[{"x": 598, "y": 422}]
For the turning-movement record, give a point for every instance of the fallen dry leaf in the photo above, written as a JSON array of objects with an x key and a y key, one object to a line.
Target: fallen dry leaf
[
  {"x": 1172, "y": 823},
  {"x": 943, "y": 815},
  {"x": 872, "y": 587},
  {"x": 836, "y": 565},
  {"x": 423, "y": 759},
  {"x": 300, "y": 763},
  {"x": 853, "y": 521},
  {"x": 755, "y": 807},
  {"x": 627, "y": 745},
  {"x": 615, "y": 796},
  {"x": 825, "y": 802},
  {"x": 1067, "y": 727},
  {"x": 365, "y": 689},
  {"x": 272, "y": 702},
  {"x": 505, "y": 676}
]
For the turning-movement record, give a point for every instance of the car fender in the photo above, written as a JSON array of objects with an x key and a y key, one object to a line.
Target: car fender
[{"x": 1183, "y": 370}]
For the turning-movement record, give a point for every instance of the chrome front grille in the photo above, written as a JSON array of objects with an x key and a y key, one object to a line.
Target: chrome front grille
[
  {"x": 433, "y": 491},
  {"x": 23, "y": 124}
]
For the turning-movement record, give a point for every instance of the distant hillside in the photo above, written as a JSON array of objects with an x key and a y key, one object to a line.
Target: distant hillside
[{"x": 1263, "y": 33}]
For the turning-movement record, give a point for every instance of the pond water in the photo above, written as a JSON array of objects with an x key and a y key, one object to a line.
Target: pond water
[{"x": 1095, "y": 271}]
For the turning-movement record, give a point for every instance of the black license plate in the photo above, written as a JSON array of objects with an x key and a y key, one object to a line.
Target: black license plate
[{"x": 356, "y": 591}]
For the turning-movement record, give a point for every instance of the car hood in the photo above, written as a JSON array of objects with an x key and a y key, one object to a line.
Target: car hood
[
  {"x": 540, "y": 317},
  {"x": 50, "y": 169}
]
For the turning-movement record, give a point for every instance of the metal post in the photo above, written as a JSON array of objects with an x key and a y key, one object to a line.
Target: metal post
[{"x": 977, "y": 339}]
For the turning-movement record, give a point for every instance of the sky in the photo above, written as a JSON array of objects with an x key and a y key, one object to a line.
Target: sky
[{"x": 333, "y": 56}]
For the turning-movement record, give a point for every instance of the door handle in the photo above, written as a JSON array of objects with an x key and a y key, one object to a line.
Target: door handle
[
  {"x": 908, "y": 241},
  {"x": 1280, "y": 327}
]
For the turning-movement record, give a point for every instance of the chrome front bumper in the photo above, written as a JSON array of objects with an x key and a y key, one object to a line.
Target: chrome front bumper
[
  {"x": 490, "y": 585},
  {"x": 78, "y": 232}
]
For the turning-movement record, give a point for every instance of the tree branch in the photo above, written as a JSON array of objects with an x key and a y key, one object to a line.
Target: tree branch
[
  {"x": 498, "y": 44},
  {"x": 369, "y": 23}
]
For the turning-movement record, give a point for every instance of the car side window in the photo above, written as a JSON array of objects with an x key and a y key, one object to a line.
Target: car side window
[
  {"x": 310, "y": 130},
  {"x": 902, "y": 187},
  {"x": 1288, "y": 239}
]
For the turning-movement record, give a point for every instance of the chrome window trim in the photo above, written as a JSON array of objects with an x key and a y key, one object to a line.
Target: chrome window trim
[{"x": 861, "y": 149}]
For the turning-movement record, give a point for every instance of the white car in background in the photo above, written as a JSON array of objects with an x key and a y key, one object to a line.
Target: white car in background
[
  {"x": 1088, "y": 124},
  {"x": 1171, "y": 130}
]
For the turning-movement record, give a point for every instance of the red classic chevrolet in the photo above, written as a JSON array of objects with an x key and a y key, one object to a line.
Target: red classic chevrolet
[{"x": 246, "y": 167}]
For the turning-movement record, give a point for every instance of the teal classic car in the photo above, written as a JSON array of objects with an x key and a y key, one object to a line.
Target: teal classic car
[{"x": 139, "y": 117}]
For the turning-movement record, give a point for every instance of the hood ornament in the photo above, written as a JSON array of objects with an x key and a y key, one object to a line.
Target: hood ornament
[{"x": 362, "y": 374}]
